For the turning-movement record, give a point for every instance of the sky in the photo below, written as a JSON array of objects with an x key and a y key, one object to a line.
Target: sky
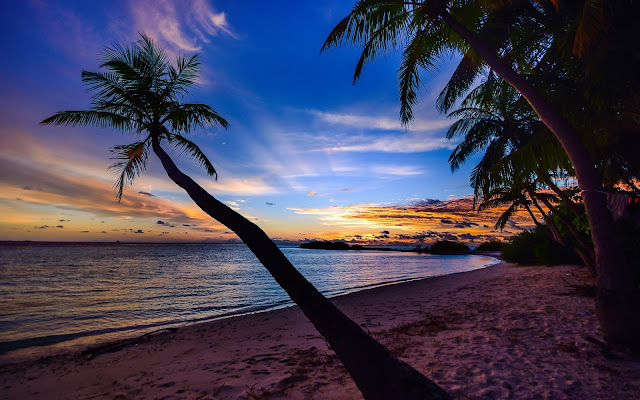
[{"x": 307, "y": 155}]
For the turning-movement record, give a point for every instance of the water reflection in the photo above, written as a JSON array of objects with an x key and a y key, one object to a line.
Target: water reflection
[{"x": 49, "y": 291}]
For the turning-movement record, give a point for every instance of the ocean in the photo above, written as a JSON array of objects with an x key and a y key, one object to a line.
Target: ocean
[{"x": 58, "y": 297}]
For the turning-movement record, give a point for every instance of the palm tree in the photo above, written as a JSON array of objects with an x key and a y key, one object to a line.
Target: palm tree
[
  {"x": 495, "y": 120},
  {"x": 428, "y": 29},
  {"x": 142, "y": 94}
]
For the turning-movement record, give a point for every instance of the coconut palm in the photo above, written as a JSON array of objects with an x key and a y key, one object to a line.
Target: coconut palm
[
  {"x": 141, "y": 93},
  {"x": 490, "y": 36},
  {"x": 495, "y": 121}
]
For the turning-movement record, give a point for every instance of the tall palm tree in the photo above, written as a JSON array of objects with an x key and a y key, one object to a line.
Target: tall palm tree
[
  {"x": 428, "y": 29},
  {"x": 142, "y": 93},
  {"x": 494, "y": 120}
]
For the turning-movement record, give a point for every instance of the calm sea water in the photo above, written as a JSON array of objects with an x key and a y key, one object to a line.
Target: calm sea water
[{"x": 57, "y": 297}]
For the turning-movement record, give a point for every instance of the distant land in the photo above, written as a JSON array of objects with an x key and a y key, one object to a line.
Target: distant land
[
  {"x": 440, "y": 247},
  {"x": 30, "y": 243}
]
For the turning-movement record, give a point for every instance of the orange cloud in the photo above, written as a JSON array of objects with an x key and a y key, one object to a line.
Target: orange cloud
[
  {"x": 43, "y": 190},
  {"x": 420, "y": 222}
]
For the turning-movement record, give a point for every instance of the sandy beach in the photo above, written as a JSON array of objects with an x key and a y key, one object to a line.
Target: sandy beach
[{"x": 501, "y": 332}]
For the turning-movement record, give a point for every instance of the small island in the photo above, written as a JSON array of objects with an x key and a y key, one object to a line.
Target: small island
[
  {"x": 444, "y": 247},
  {"x": 327, "y": 245}
]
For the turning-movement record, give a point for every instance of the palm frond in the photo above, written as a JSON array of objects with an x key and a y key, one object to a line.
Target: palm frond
[
  {"x": 132, "y": 161},
  {"x": 387, "y": 37},
  {"x": 190, "y": 148},
  {"x": 105, "y": 85},
  {"x": 479, "y": 135},
  {"x": 154, "y": 59},
  {"x": 409, "y": 77},
  {"x": 419, "y": 53},
  {"x": 366, "y": 18},
  {"x": 505, "y": 217},
  {"x": 139, "y": 120},
  {"x": 121, "y": 56},
  {"x": 592, "y": 23},
  {"x": 189, "y": 116},
  {"x": 473, "y": 114},
  {"x": 183, "y": 76},
  {"x": 103, "y": 119},
  {"x": 459, "y": 83}
]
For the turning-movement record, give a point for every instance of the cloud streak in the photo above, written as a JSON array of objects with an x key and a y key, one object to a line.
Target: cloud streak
[
  {"x": 381, "y": 123},
  {"x": 80, "y": 193},
  {"x": 406, "y": 143},
  {"x": 417, "y": 137},
  {"x": 179, "y": 25},
  {"x": 428, "y": 220}
]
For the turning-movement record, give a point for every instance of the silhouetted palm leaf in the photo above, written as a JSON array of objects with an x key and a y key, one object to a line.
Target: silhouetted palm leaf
[
  {"x": 191, "y": 149},
  {"x": 102, "y": 119},
  {"x": 132, "y": 161}
]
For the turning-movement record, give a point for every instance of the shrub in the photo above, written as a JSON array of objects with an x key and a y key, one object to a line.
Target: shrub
[
  {"x": 493, "y": 245},
  {"x": 449, "y": 247},
  {"x": 326, "y": 245},
  {"x": 535, "y": 247}
]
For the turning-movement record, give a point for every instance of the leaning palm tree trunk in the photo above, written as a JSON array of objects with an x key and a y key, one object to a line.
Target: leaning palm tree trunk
[
  {"x": 377, "y": 374},
  {"x": 584, "y": 251},
  {"x": 579, "y": 241},
  {"x": 140, "y": 93},
  {"x": 618, "y": 299},
  {"x": 570, "y": 203}
]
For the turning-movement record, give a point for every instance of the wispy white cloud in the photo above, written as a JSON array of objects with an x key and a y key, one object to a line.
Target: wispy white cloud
[
  {"x": 398, "y": 170},
  {"x": 379, "y": 122},
  {"x": 205, "y": 21},
  {"x": 413, "y": 142},
  {"x": 179, "y": 25},
  {"x": 419, "y": 136}
]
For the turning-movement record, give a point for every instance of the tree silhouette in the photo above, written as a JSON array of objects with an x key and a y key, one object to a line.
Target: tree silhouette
[
  {"x": 141, "y": 93},
  {"x": 513, "y": 38}
]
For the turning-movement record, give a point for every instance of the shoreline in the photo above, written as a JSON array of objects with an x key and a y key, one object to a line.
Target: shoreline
[
  {"x": 14, "y": 351},
  {"x": 495, "y": 332}
]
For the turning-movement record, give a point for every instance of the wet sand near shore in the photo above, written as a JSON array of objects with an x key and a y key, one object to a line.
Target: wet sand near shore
[{"x": 501, "y": 332}]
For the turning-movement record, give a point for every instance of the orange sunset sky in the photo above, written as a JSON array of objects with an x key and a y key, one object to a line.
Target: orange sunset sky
[{"x": 307, "y": 155}]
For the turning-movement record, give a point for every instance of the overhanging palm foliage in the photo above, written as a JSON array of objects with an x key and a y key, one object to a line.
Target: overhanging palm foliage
[
  {"x": 512, "y": 172},
  {"x": 589, "y": 103},
  {"x": 381, "y": 27}
]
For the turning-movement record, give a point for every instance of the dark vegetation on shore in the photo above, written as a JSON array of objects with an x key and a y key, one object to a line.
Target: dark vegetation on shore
[
  {"x": 537, "y": 247},
  {"x": 439, "y": 247},
  {"x": 492, "y": 245}
]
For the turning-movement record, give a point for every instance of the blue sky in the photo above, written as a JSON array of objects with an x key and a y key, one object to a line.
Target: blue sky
[{"x": 307, "y": 155}]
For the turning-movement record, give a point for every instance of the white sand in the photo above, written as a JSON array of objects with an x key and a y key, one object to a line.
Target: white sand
[{"x": 502, "y": 332}]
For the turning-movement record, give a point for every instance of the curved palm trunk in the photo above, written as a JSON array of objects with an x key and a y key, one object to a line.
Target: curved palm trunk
[
  {"x": 549, "y": 182},
  {"x": 585, "y": 255},
  {"x": 581, "y": 246},
  {"x": 533, "y": 217},
  {"x": 618, "y": 298},
  {"x": 555, "y": 232},
  {"x": 377, "y": 374}
]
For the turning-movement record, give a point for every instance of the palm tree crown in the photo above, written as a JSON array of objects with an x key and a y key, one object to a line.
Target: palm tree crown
[{"x": 141, "y": 93}]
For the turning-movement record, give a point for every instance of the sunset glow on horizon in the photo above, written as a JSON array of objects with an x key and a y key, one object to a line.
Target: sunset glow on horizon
[{"x": 307, "y": 155}]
